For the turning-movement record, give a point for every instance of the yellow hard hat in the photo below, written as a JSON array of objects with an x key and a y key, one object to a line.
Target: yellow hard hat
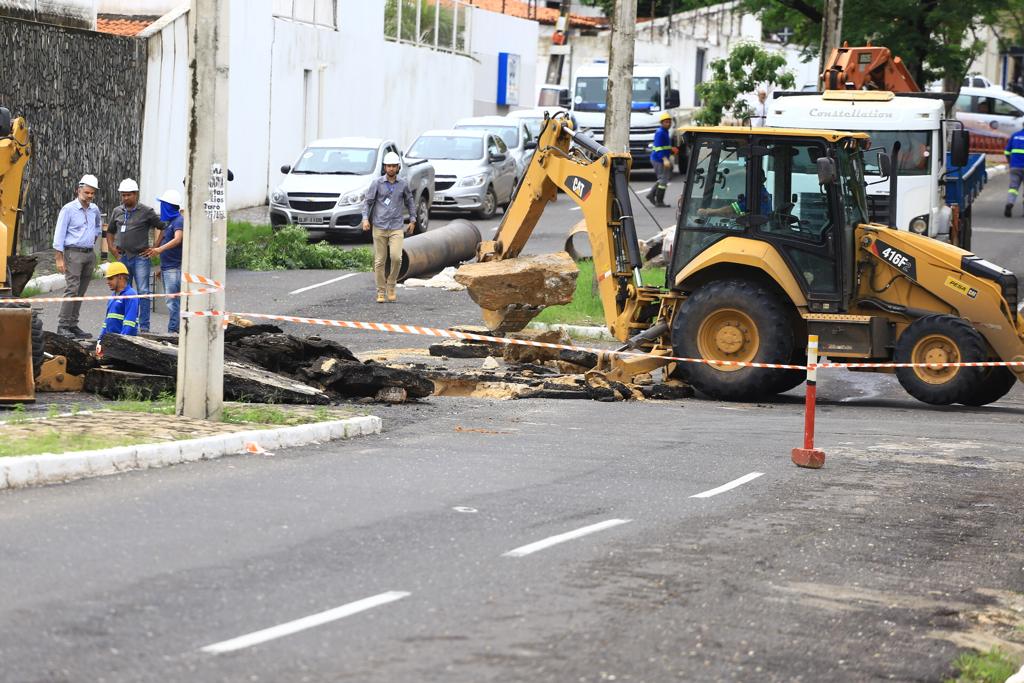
[
  {"x": 116, "y": 268},
  {"x": 665, "y": 116}
]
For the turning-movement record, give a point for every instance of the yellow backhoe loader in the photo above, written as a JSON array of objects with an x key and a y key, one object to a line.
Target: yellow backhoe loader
[
  {"x": 21, "y": 349},
  {"x": 772, "y": 243}
]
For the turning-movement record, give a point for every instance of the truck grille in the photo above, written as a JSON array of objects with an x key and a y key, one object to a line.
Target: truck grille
[
  {"x": 312, "y": 201},
  {"x": 878, "y": 208}
]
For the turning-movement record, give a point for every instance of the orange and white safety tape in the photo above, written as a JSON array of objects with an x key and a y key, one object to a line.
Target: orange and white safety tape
[{"x": 213, "y": 286}]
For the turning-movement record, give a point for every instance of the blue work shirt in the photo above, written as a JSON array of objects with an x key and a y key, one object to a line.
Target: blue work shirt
[
  {"x": 386, "y": 203},
  {"x": 662, "y": 147},
  {"x": 740, "y": 206},
  {"x": 77, "y": 226},
  {"x": 1015, "y": 150},
  {"x": 122, "y": 315},
  {"x": 171, "y": 259}
]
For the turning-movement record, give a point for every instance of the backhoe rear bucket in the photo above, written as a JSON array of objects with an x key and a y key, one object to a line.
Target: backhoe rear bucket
[{"x": 16, "y": 381}]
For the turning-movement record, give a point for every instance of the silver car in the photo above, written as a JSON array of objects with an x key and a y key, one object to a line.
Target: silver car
[
  {"x": 473, "y": 170},
  {"x": 515, "y": 133}
]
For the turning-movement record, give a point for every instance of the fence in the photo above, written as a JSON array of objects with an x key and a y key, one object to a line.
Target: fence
[
  {"x": 82, "y": 94},
  {"x": 437, "y": 24}
]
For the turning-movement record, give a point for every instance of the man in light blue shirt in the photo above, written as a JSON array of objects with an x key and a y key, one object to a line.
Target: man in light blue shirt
[{"x": 78, "y": 227}]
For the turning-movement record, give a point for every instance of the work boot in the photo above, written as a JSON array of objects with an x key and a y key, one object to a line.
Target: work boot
[
  {"x": 659, "y": 197},
  {"x": 392, "y": 297},
  {"x": 75, "y": 332},
  {"x": 380, "y": 297},
  {"x": 652, "y": 196},
  {"x": 1008, "y": 210}
]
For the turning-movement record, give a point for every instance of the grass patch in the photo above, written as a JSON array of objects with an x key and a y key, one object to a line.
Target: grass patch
[
  {"x": 994, "y": 666},
  {"x": 53, "y": 441},
  {"x": 271, "y": 415},
  {"x": 585, "y": 308},
  {"x": 257, "y": 247}
]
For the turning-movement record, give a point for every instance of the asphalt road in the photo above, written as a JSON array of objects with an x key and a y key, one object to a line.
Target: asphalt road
[{"x": 407, "y": 556}]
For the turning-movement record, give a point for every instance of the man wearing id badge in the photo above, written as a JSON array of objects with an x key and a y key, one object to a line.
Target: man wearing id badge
[
  {"x": 130, "y": 232},
  {"x": 387, "y": 202}
]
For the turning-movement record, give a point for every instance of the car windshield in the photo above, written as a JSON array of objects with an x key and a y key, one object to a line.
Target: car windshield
[
  {"x": 592, "y": 91},
  {"x": 336, "y": 161},
  {"x": 915, "y": 151},
  {"x": 509, "y": 134},
  {"x": 534, "y": 125},
  {"x": 456, "y": 147}
]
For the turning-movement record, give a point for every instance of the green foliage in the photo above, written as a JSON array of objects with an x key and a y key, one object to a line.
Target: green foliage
[
  {"x": 30, "y": 291},
  {"x": 53, "y": 441},
  {"x": 450, "y": 17},
  {"x": 585, "y": 308},
  {"x": 18, "y": 414},
  {"x": 747, "y": 66},
  {"x": 242, "y": 231},
  {"x": 289, "y": 249},
  {"x": 52, "y": 411},
  {"x": 993, "y": 666}
]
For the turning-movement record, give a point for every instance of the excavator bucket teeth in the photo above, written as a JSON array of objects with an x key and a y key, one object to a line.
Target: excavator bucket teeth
[{"x": 16, "y": 381}]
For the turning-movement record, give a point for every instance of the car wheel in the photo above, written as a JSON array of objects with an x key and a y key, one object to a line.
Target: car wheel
[
  {"x": 423, "y": 214},
  {"x": 490, "y": 205}
]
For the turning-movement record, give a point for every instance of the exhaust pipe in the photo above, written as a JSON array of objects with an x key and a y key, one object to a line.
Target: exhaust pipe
[{"x": 434, "y": 250}]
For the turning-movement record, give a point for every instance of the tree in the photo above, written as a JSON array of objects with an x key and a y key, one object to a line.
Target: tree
[
  {"x": 747, "y": 66},
  {"x": 935, "y": 38}
]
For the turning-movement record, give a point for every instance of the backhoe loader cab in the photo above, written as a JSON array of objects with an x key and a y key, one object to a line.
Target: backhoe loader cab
[{"x": 773, "y": 244}]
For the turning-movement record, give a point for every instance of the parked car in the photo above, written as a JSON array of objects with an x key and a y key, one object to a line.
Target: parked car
[
  {"x": 474, "y": 170},
  {"x": 323, "y": 190},
  {"x": 514, "y": 133},
  {"x": 534, "y": 118},
  {"x": 990, "y": 111}
]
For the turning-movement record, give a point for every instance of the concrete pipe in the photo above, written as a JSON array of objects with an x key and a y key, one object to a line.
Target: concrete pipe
[{"x": 438, "y": 248}]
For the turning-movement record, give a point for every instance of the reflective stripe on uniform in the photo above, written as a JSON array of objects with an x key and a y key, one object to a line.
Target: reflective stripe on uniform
[
  {"x": 115, "y": 316},
  {"x": 661, "y": 149},
  {"x": 129, "y": 323},
  {"x": 736, "y": 208}
]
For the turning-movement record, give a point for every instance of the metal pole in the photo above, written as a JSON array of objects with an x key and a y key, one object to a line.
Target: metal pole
[
  {"x": 619, "y": 102},
  {"x": 200, "y": 387},
  {"x": 831, "y": 32}
]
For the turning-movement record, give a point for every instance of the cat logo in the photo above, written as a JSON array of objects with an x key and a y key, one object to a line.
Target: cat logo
[
  {"x": 578, "y": 186},
  {"x": 961, "y": 288}
]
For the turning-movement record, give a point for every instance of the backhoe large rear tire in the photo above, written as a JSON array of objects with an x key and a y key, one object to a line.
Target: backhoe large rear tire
[
  {"x": 37, "y": 343},
  {"x": 735, "y": 320},
  {"x": 995, "y": 383},
  {"x": 941, "y": 339}
]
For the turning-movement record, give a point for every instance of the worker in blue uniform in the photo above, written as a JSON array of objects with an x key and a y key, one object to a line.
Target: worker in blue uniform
[
  {"x": 122, "y": 314},
  {"x": 1015, "y": 160},
  {"x": 661, "y": 159}
]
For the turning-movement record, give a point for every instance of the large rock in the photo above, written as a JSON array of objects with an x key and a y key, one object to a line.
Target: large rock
[
  {"x": 547, "y": 280},
  {"x": 520, "y": 353}
]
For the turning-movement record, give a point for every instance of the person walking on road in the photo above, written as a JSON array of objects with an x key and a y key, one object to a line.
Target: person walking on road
[
  {"x": 122, "y": 314},
  {"x": 1015, "y": 160},
  {"x": 387, "y": 201},
  {"x": 661, "y": 159},
  {"x": 74, "y": 240},
  {"x": 169, "y": 250},
  {"x": 129, "y": 234}
]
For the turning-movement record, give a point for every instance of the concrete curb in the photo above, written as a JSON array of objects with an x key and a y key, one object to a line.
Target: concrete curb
[
  {"x": 56, "y": 282},
  {"x": 577, "y": 331},
  {"x": 50, "y": 468}
]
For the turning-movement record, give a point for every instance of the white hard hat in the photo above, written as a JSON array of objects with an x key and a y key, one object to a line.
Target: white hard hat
[
  {"x": 128, "y": 185},
  {"x": 392, "y": 158},
  {"x": 90, "y": 180},
  {"x": 170, "y": 197}
]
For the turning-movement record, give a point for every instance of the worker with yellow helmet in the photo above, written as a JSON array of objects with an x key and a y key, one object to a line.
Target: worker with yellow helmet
[
  {"x": 661, "y": 159},
  {"x": 122, "y": 314}
]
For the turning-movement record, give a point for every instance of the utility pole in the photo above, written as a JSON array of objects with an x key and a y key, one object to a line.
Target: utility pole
[
  {"x": 201, "y": 341},
  {"x": 831, "y": 33},
  {"x": 619, "y": 103}
]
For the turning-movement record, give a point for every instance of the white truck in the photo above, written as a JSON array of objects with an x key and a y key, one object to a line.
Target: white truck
[
  {"x": 931, "y": 192},
  {"x": 655, "y": 89}
]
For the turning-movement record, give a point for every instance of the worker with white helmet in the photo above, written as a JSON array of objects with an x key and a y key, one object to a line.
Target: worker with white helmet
[
  {"x": 387, "y": 202},
  {"x": 132, "y": 230},
  {"x": 169, "y": 250},
  {"x": 74, "y": 240}
]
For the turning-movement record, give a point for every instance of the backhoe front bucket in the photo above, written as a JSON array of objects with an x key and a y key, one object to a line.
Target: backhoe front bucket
[{"x": 16, "y": 381}]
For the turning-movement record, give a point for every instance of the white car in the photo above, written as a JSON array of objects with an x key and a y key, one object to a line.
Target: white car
[
  {"x": 513, "y": 132},
  {"x": 990, "y": 112},
  {"x": 534, "y": 118}
]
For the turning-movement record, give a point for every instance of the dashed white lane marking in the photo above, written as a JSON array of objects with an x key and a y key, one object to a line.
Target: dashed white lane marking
[
  {"x": 1004, "y": 231},
  {"x": 562, "y": 538},
  {"x": 726, "y": 487},
  {"x": 321, "y": 284},
  {"x": 304, "y": 623}
]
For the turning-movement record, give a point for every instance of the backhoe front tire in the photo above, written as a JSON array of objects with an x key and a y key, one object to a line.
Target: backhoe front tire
[
  {"x": 735, "y": 320},
  {"x": 996, "y": 382},
  {"x": 941, "y": 339}
]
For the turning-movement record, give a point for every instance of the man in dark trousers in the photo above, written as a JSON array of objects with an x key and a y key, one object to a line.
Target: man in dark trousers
[
  {"x": 661, "y": 159},
  {"x": 130, "y": 233}
]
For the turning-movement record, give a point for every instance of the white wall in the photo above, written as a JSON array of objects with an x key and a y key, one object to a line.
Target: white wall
[
  {"x": 493, "y": 33},
  {"x": 153, "y": 8}
]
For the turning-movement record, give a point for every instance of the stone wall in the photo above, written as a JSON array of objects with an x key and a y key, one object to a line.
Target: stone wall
[{"x": 82, "y": 94}]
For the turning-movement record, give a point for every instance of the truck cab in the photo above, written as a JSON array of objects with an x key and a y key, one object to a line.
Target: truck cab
[{"x": 655, "y": 89}]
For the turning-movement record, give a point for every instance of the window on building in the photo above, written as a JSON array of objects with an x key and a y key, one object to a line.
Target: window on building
[
  {"x": 435, "y": 24},
  {"x": 698, "y": 77},
  {"x": 317, "y": 12}
]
